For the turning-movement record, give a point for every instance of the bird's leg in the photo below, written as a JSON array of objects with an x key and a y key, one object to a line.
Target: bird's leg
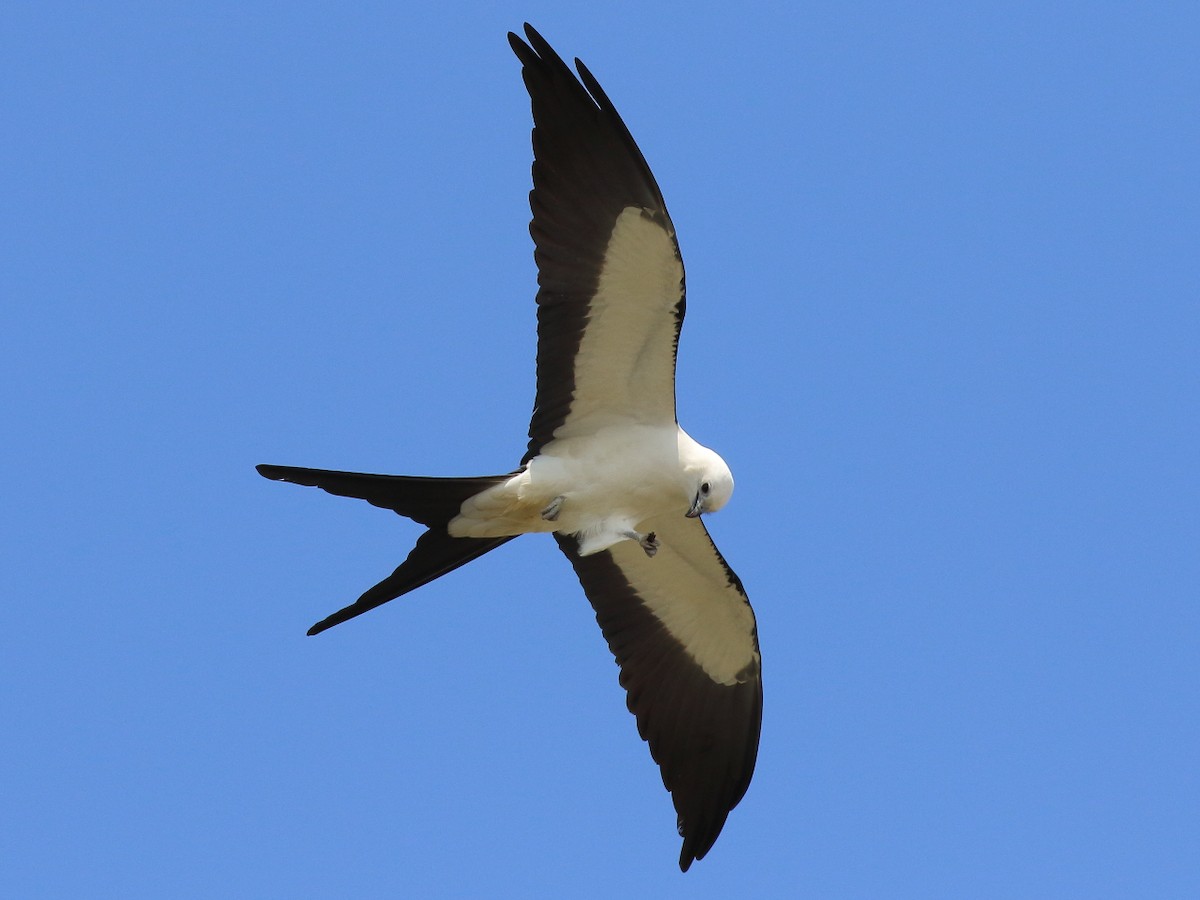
[
  {"x": 648, "y": 542},
  {"x": 550, "y": 513}
]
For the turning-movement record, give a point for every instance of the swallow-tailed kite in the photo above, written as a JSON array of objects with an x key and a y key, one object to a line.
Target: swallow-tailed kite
[{"x": 608, "y": 471}]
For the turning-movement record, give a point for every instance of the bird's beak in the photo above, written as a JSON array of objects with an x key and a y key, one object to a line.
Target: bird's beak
[{"x": 696, "y": 509}]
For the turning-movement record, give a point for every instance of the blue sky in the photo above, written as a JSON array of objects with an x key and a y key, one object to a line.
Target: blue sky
[{"x": 943, "y": 324}]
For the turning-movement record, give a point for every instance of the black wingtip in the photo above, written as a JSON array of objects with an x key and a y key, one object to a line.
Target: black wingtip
[
  {"x": 375, "y": 597},
  {"x": 518, "y": 43},
  {"x": 687, "y": 853}
]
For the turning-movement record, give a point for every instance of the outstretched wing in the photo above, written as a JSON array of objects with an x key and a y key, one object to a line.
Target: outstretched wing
[
  {"x": 683, "y": 633},
  {"x": 611, "y": 284}
]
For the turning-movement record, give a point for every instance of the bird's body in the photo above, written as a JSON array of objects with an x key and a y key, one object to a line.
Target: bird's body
[
  {"x": 608, "y": 471},
  {"x": 608, "y": 485}
]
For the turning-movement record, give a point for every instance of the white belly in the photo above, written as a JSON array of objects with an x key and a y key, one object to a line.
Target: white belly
[{"x": 611, "y": 482}]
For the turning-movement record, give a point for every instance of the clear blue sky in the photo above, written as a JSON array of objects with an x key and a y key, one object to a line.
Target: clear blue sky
[{"x": 943, "y": 321}]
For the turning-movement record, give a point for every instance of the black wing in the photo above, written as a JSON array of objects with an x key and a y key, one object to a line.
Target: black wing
[
  {"x": 611, "y": 297},
  {"x": 683, "y": 633}
]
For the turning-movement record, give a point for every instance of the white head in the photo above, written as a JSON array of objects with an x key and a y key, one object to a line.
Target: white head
[{"x": 710, "y": 483}]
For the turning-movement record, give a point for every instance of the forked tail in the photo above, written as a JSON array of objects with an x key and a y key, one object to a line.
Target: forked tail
[{"x": 431, "y": 501}]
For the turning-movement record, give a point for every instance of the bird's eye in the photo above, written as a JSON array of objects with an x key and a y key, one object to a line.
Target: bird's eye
[{"x": 704, "y": 488}]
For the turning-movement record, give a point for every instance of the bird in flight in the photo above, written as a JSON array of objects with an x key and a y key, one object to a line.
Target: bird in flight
[{"x": 608, "y": 471}]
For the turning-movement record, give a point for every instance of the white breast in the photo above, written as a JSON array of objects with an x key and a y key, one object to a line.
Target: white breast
[{"x": 612, "y": 481}]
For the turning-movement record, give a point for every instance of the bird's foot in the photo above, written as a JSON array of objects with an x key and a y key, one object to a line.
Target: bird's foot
[
  {"x": 550, "y": 513},
  {"x": 648, "y": 542}
]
